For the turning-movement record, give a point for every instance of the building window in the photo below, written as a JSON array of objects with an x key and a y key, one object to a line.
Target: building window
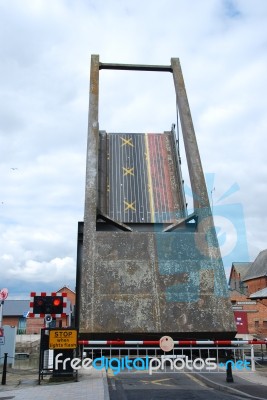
[
  {"x": 257, "y": 324},
  {"x": 21, "y": 326},
  {"x": 264, "y": 324}
]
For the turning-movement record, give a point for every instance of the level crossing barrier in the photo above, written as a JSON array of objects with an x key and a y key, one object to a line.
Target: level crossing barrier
[
  {"x": 199, "y": 356},
  {"x": 176, "y": 342}
]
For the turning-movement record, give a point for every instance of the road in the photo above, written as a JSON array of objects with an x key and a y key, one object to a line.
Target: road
[
  {"x": 140, "y": 386},
  {"x": 142, "y": 178}
]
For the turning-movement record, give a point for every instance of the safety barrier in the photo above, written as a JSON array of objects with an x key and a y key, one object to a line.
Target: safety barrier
[
  {"x": 192, "y": 359},
  {"x": 176, "y": 342}
]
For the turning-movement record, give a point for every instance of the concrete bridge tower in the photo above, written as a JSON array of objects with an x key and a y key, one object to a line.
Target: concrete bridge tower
[{"x": 145, "y": 268}]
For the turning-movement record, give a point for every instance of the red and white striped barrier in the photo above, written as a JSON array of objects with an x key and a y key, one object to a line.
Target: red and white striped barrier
[
  {"x": 176, "y": 342},
  {"x": 44, "y": 294}
]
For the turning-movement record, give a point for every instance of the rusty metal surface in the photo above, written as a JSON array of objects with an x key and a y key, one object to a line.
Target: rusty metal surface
[{"x": 155, "y": 283}]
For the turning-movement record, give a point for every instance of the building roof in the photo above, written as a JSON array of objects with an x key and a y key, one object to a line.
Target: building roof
[
  {"x": 241, "y": 268},
  {"x": 20, "y": 308},
  {"x": 236, "y": 293},
  {"x": 64, "y": 288},
  {"x": 16, "y": 308},
  {"x": 260, "y": 294},
  {"x": 258, "y": 267}
]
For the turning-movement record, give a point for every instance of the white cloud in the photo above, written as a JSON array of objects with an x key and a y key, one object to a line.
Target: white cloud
[
  {"x": 44, "y": 80},
  {"x": 55, "y": 270}
]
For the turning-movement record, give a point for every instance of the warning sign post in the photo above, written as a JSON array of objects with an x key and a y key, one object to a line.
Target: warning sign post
[{"x": 62, "y": 339}]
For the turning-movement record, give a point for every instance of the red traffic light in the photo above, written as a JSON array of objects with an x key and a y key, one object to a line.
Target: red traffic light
[
  {"x": 56, "y": 302},
  {"x": 48, "y": 305}
]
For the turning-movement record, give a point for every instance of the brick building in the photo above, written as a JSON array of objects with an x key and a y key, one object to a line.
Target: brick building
[
  {"x": 15, "y": 313},
  {"x": 71, "y": 295},
  {"x": 247, "y": 285}
]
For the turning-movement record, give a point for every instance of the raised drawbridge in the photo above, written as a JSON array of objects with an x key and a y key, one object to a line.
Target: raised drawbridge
[{"x": 145, "y": 268}]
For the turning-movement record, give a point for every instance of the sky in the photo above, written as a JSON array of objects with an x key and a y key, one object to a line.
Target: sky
[{"x": 45, "y": 50}]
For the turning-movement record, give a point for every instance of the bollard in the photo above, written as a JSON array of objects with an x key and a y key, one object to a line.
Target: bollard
[
  {"x": 4, "y": 369},
  {"x": 253, "y": 369},
  {"x": 229, "y": 374}
]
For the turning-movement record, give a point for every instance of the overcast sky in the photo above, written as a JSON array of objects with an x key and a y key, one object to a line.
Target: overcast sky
[{"x": 44, "y": 79}]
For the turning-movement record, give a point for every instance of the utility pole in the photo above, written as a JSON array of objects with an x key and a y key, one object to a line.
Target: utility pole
[{"x": 3, "y": 296}]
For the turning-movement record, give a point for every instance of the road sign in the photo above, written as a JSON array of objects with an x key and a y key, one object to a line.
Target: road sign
[
  {"x": 1, "y": 332},
  {"x": 2, "y": 340},
  {"x": 63, "y": 339},
  {"x": 166, "y": 343},
  {"x": 3, "y": 294}
]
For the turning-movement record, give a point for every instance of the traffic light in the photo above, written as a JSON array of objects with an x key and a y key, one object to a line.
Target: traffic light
[{"x": 48, "y": 305}]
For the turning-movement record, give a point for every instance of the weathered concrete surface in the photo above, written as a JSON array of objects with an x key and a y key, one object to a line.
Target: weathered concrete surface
[
  {"x": 153, "y": 283},
  {"x": 196, "y": 174}
]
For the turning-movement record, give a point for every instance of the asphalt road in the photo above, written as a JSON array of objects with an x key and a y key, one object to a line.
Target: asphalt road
[
  {"x": 139, "y": 386},
  {"x": 142, "y": 178}
]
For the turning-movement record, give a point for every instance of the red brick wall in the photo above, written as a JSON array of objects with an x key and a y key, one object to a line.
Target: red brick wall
[
  {"x": 256, "y": 313},
  {"x": 35, "y": 324},
  {"x": 71, "y": 296},
  {"x": 236, "y": 283},
  {"x": 11, "y": 321},
  {"x": 234, "y": 279},
  {"x": 256, "y": 284}
]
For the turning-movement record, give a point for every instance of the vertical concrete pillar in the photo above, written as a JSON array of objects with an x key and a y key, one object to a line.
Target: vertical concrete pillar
[
  {"x": 208, "y": 247},
  {"x": 86, "y": 300},
  {"x": 196, "y": 174},
  {"x": 92, "y": 148}
]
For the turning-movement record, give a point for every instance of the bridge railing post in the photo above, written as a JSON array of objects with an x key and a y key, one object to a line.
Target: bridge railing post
[
  {"x": 253, "y": 369},
  {"x": 229, "y": 373}
]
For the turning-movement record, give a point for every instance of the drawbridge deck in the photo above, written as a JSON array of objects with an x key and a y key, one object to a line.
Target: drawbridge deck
[{"x": 138, "y": 175}]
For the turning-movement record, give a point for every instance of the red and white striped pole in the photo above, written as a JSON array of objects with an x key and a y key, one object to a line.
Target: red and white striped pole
[{"x": 176, "y": 342}]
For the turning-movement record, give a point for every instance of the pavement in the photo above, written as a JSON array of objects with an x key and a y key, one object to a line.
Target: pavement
[
  {"x": 92, "y": 384},
  {"x": 251, "y": 385},
  {"x": 23, "y": 385}
]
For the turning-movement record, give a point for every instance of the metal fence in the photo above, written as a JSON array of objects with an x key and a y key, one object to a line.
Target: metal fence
[{"x": 200, "y": 359}]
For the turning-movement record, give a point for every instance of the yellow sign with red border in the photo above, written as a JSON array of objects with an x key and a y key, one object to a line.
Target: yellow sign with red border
[{"x": 63, "y": 339}]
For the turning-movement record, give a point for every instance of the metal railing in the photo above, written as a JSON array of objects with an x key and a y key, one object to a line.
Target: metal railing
[{"x": 190, "y": 359}]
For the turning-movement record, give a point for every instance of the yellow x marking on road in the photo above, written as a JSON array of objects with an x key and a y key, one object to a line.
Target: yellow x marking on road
[
  {"x": 129, "y": 206},
  {"x": 126, "y": 141},
  {"x": 128, "y": 171},
  {"x": 158, "y": 382}
]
